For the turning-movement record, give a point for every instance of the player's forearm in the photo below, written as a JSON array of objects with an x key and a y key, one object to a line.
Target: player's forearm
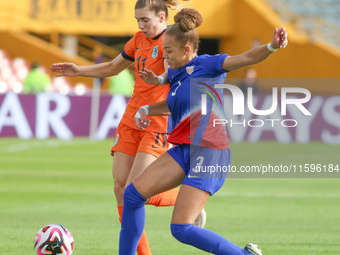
[
  {"x": 248, "y": 58},
  {"x": 159, "y": 109},
  {"x": 257, "y": 55},
  {"x": 97, "y": 71}
]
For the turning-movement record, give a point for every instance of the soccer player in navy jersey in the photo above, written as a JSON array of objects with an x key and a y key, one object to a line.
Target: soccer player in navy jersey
[{"x": 199, "y": 143}]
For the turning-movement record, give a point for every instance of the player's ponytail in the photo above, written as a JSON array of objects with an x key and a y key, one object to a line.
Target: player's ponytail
[
  {"x": 184, "y": 29},
  {"x": 158, "y": 5}
]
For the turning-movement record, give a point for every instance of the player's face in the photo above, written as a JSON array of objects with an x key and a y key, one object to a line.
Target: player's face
[
  {"x": 175, "y": 55},
  {"x": 149, "y": 22}
]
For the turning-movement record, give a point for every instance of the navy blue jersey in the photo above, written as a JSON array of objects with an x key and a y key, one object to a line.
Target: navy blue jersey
[{"x": 187, "y": 85}]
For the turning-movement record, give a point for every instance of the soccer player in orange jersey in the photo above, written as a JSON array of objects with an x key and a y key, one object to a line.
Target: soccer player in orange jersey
[{"x": 135, "y": 149}]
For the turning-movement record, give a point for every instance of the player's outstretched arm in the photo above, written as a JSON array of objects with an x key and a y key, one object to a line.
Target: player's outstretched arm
[
  {"x": 257, "y": 54},
  {"x": 150, "y": 77},
  {"x": 157, "y": 109},
  {"x": 101, "y": 70}
]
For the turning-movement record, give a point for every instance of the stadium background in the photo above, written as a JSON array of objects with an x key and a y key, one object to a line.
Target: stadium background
[{"x": 55, "y": 166}]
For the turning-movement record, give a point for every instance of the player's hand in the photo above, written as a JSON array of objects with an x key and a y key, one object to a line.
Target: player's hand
[
  {"x": 280, "y": 38},
  {"x": 149, "y": 77},
  {"x": 140, "y": 119},
  {"x": 65, "y": 69}
]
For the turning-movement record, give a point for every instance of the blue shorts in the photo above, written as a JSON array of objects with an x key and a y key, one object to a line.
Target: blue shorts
[{"x": 205, "y": 168}]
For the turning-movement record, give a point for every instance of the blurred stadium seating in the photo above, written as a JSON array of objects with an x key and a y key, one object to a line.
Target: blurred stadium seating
[
  {"x": 12, "y": 72},
  {"x": 35, "y": 30},
  {"x": 318, "y": 18}
]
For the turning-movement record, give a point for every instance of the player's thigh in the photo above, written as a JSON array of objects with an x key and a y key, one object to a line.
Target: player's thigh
[
  {"x": 141, "y": 161},
  {"x": 189, "y": 204},
  {"x": 161, "y": 175},
  {"x": 151, "y": 146},
  {"x": 121, "y": 167}
]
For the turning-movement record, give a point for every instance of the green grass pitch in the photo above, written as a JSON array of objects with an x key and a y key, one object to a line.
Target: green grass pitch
[{"x": 70, "y": 183}]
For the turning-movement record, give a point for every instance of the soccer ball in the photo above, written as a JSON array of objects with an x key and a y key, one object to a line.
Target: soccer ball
[{"x": 54, "y": 239}]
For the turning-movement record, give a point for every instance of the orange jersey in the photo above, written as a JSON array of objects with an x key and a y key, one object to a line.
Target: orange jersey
[{"x": 146, "y": 53}]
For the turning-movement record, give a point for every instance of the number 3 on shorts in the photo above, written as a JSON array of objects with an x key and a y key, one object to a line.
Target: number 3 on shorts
[{"x": 200, "y": 160}]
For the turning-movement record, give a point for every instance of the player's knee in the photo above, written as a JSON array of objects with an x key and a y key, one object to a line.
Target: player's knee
[
  {"x": 181, "y": 232},
  {"x": 118, "y": 189},
  {"x": 133, "y": 197}
]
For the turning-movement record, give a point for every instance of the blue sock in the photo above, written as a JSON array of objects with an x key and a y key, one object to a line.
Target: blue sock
[
  {"x": 205, "y": 240},
  {"x": 133, "y": 221}
]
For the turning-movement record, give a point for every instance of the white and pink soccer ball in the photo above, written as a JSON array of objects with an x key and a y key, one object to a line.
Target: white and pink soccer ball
[{"x": 54, "y": 239}]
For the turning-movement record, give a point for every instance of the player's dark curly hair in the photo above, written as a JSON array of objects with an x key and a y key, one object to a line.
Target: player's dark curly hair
[
  {"x": 158, "y": 5},
  {"x": 184, "y": 29}
]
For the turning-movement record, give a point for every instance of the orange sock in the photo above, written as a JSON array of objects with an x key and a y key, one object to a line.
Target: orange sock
[
  {"x": 143, "y": 247},
  {"x": 167, "y": 198}
]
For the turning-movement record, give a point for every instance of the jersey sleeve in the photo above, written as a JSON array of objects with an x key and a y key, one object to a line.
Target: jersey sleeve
[
  {"x": 213, "y": 63},
  {"x": 129, "y": 49}
]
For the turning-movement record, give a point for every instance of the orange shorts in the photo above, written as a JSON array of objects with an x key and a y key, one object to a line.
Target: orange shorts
[{"x": 131, "y": 141}]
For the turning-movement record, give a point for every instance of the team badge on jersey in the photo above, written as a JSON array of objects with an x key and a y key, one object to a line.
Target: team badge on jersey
[
  {"x": 155, "y": 51},
  {"x": 190, "y": 69}
]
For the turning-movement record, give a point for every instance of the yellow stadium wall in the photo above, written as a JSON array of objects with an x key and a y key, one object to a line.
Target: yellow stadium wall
[
  {"x": 63, "y": 17},
  {"x": 217, "y": 16},
  {"x": 18, "y": 15}
]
